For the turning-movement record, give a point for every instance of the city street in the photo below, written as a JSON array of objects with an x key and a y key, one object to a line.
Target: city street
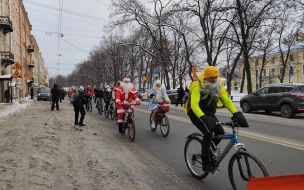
[{"x": 42, "y": 150}]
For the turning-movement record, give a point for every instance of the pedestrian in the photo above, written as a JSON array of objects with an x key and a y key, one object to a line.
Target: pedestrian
[
  {"x": 187, "y": 90},
  {"x": 6, "y": 94},
  {"x": 55, "y": 97},
  {"x": 77, "y": 100},
  {"x": 32, "y": 92},
  {"x": 61, "y": 97},
  {"x": 180, "y": 96}
]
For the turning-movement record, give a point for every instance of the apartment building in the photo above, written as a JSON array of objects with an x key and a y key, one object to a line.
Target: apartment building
[
  {"x": 20, "y": 55},
  {"x": 273, "y": 69}
]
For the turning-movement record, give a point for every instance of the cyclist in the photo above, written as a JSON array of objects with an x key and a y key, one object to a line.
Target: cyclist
[
  {"x": 124, "y": 94},
  {"x": 157, "y": 94},
  {"x": 90, "y": 91},
  {"x": 205, "y": 93},
  {"x": 98, "y": 94},
  {"x": 107, "y": 96}
]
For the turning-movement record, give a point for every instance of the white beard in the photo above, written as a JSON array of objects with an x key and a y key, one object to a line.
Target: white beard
[
  {"x": 158, "y": 94},
  {"x": 126, "y": 88}
]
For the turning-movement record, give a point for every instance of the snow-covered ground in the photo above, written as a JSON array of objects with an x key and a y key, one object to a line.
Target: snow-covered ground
[{"x": 7, "y": 109}]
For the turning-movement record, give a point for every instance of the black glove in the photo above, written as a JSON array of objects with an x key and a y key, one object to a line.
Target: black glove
[
  {"x": 240, "y": 119},
  {"x": 151, "y": 95},
  {"x": 209, "y": 121}
]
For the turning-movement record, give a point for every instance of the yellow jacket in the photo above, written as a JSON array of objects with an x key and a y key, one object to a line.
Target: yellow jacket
[{"x": 196, "y": 97}]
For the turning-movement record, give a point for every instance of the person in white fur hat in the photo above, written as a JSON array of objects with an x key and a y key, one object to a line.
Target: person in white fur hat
[
  {"x": 157, "y": 94},
  {"x": 124, "y": 95}
]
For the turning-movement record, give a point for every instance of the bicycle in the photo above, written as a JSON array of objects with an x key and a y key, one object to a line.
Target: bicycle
[
  {"x": 112, "y": 110},
  {"x": 242, "y": 162},
  {"x": 99, "y": 105},
  {"x": 128, "y": 122},
  {"x": 161, "y": 119},
  {"x": 107, "y": 112},
  {"x": 89, "y": 104}
]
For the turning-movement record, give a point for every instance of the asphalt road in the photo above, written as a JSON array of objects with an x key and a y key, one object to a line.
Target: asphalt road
[{"x": 276, "y": 141}]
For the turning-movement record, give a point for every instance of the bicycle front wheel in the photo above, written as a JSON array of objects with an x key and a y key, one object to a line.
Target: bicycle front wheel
[
  {"x": 165, "y": 126},
  {"x": 193, "y": 157},
  {"x": 243, "y": 166},
  {"x": 131, "y": 129}
]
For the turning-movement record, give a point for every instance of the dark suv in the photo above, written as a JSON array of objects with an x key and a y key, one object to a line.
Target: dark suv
[{"x": 286, "y": 98}]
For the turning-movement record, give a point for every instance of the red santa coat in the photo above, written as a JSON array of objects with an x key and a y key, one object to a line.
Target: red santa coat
[{"x": 120, "y": 98}]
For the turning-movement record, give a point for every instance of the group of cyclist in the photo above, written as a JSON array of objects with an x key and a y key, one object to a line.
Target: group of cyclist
[{"x": 205, "y": 92}]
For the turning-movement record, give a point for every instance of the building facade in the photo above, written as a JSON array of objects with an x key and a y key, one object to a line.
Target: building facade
[
  {"x": 273, "y": 68},
  {"x": 20, "y": 53}
]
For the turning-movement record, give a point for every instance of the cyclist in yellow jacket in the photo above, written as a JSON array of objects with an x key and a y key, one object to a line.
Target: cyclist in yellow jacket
[{"x": 205, "y": 93}]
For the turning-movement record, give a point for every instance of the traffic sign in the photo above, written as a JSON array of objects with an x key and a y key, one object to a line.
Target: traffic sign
[
  {"x": 17, "y": 66},
  {"x": 155, "y": 72},
  {"x": 194, "y": 76},
  {"x": 144, "y": 78},
  {"x": 194, "y": 69},
  {"x": 26, "y": 75},
  {"x": 16, "y": 74}
]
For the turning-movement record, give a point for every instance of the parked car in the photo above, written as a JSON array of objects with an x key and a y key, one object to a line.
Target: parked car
[
  {"x": 44, "y": 93},
  {"x": 286, "y": 98},
  {"x": 173, "y": 95},
  {"x": 143, "y": 94}
]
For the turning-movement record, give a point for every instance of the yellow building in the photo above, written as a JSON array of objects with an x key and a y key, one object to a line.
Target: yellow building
[{"x": 272, "y": 71}]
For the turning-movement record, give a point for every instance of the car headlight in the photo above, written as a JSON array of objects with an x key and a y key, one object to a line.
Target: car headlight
[{"x": 38, "y": 94}]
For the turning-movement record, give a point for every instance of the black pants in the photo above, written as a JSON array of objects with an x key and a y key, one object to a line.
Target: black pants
[
  {"x": 218, "y": 130},
  {"x": 53, "y": 104},
  {"x": 107, "y": 103},
  {"x": 78, "y": 109},
  {"x": 179, "y": 100}
]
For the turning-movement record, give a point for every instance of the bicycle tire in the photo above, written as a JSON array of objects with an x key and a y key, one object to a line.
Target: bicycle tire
[
  {"x": 106, "y": 112},
  {"x": 131, "y": 129},
  {"x": 256, "y": 169},
  {"x": 111, "y": 112},
  {"x": 193, "y": 157},
  {"x": 152, "y": 129},
  {"x": 165, "y": 126}
]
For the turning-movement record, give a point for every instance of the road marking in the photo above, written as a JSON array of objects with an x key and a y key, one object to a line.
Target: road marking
[{"x": 257, "y": 136}]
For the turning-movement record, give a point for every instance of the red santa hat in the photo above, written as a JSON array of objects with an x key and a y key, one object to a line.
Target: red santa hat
[{"x": 126, "y": 79}]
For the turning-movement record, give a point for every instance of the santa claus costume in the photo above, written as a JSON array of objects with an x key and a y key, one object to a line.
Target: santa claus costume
[{"x": 124, "y": 95}]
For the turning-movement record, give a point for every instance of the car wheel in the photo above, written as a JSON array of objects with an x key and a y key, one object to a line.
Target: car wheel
[
  {"x": 286, "y": 111},
  {"x": 246, "y": 107}
]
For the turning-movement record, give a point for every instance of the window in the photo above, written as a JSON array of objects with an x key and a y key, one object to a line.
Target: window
[
  {"x": 262, "y": 91},
  {"x": 273, "y": 60},
  {"x": 272, "y": 70},
  {"x": 282, "y": 59},
  {"x": 291, "y": 58},
  {"x": 302, "y": 68},
  {"x": 264, "y": 73},
  {"x": 256, "y": 72},
  {"x": 291, "y": 70},
  {"x": 256, "y": 62}
]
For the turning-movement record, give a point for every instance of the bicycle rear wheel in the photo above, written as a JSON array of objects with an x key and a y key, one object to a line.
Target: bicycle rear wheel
[
  {"x": 165, "y": 126},
  {"x": 193, "y": 157},
  {"x": 152, "y": 129},
  {"x": 131, "y": 129},
  {"x": 243, "y": 166},
  {"x": 111, "y": 112},
  {"x": 106, "y": 112}
]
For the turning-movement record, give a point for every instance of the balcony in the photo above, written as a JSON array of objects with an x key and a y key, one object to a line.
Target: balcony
[
  {"x": 7, "y": 58},
  {"x": 30, "y": 49},
  {"x": 31, "y": 65},
  {"x": 6, "y": 24}
]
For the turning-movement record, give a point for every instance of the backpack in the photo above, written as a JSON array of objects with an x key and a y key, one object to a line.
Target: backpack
[
  {"x": 187, "y": 105},
  {"x": 75, "y": 97},
  {"x": 84, "y": 100}
]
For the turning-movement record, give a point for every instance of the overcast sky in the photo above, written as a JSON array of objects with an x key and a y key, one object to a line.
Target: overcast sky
[{"x": 81, "y": 24}]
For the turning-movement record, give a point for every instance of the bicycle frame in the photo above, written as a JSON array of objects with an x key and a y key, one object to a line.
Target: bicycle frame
[{"x": 233, "y": 142}]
